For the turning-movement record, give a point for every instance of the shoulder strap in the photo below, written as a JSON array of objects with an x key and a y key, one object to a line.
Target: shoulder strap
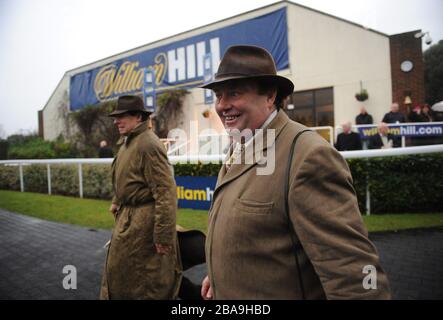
[{"x": 296, "y": 244}]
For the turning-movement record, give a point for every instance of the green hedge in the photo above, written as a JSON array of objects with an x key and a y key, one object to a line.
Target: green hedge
[
  {"x": 397, "y": 184},
  {"x": 9, "y": 178},
  {"x": 411, "y": 183},
  {"x": 33, "y": 149}
]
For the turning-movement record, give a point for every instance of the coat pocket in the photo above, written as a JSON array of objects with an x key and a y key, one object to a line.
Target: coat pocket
[{"x": 243, "y": 206}]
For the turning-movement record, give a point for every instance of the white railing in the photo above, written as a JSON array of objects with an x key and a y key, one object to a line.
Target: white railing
[{"x": 217, "y": 158}]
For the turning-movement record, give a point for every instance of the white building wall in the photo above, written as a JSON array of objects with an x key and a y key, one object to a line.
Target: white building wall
[
  {"x": 53, "y": 123},
  {"x": 329, "y": 52}
]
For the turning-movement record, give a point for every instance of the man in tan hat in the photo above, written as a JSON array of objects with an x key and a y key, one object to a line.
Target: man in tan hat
[
  {"x": 142, "y": 260},
  {"x": 295, "y": 232}
]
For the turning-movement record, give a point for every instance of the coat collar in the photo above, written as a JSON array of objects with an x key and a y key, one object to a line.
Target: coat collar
[
  {"x": 255, "y": 152},
  {"x": 141, "y": 127}
]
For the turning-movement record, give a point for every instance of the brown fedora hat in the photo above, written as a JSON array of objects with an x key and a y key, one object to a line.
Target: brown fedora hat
[
  {"x": 245, "y": 62},
  {"x": 128, "y": 103}
]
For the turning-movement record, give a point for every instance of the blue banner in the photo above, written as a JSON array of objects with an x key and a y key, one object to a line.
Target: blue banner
[
  {"x": 195, "y": 192},
  {"x": 405, "y": 130},
  {"x": 179, "y": 64}
]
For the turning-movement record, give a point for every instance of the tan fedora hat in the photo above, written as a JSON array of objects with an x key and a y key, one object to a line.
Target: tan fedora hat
[
  {"x": 128, "y": 103},
  {"x": 247, "y": 62}
]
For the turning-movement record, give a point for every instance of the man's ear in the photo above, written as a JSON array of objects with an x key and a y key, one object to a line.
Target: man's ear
[{"x": 271, "y": 96}]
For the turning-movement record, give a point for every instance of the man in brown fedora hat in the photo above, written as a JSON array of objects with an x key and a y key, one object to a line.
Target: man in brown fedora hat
[
  {"x": 295, "y": 232},
  {"x": 142, "y": 260}
]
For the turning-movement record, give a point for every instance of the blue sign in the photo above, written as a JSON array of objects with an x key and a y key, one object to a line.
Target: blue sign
[
  {"x": 149, "y": 96},
  {"x": 195, "y": 192},
  {"x": 179, "y": 65},
  {"x": 208, "y": 76},
  {"x": 405, "y": 130}
]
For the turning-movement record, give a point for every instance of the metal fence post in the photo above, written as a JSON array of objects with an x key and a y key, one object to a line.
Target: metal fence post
[
  {"x": 22, "y": 184},
  {"x": 80, "y": 180},
  {"x": 48, "y": 170}
]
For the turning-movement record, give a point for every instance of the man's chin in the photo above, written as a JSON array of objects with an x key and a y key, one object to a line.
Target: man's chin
[{"x": 232, "y": 129}]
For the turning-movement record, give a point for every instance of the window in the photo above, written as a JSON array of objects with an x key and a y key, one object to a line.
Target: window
[{"x": 313, "y": 108}]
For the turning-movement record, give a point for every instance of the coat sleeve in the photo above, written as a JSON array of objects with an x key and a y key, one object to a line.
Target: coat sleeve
[
  {"x": 158, "y": 174},
  {"x": 325, "y": 215}
]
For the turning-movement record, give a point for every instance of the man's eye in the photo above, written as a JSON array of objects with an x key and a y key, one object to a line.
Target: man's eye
[{"x": 234, "y": 94}]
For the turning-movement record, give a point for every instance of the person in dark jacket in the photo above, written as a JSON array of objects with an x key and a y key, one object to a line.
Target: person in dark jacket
[
  {"x": 427, "y": 113},
  {"x": 382, "y": 140},
  {"x": 348, "y": 140},
  {"x": 104, "y": 151},
  {"x": 416, "y": 115},
  {"x": 394, "y": 116},
  {"x": 363, "y": 117}
]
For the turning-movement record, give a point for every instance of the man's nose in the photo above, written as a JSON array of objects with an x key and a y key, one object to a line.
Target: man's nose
[{"x": 223, "y": 102}]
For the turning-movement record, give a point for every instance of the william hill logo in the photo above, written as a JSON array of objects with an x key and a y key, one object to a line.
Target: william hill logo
[
  {"x": 181, "y": 67},
  {"x": 194, "y": 194}
]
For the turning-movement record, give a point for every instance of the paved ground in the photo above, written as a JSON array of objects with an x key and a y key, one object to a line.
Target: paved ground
[{"x": 34, "y": 252}]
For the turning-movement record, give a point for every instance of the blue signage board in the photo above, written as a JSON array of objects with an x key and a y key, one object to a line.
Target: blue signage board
[
  {"x": 179, "y": 65},
  {"x": 405, "y": 130},
  {"x": 195, "y": 192}
]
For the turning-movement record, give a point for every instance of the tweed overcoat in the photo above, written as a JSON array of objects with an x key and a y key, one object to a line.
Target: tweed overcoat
[{"x": 249, "y": 248}]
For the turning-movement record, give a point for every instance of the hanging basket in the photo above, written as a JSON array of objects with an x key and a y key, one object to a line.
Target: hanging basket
[{"x": 362, "y": 95}]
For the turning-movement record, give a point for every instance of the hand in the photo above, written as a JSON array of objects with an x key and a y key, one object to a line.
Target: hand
[
  {"x": 206, "y": 291},
  {"x": 163, "y": 249}
]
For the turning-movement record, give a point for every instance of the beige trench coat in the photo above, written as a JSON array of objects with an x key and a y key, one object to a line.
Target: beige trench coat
[
  {"x": 145, "y": 189},
  {"x": 249, "y": 249}
]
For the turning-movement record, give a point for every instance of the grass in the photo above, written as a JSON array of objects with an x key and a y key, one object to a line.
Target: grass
[
  {"x": 389, "y": 222},
  {"x": 94, "y": 213},
  {"x": 84, "y": 212}
]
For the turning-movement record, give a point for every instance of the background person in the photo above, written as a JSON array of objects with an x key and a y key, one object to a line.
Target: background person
[
  {"x": 381, "y": 140},
  {"x": 395, "y": 116},
  {"x": 363, "y": 117},
  {"x": 104, "y": 151},
  {"x": 142, "y": 260},
  {"x": 348, "y": 140}
]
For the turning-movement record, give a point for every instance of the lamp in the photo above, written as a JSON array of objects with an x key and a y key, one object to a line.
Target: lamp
[
  {"x": 408, "y": 100},
  {"x": 428, "y": 39}
]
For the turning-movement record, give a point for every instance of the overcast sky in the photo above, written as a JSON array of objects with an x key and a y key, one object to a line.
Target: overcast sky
[{"x": 41, "y": 39}]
